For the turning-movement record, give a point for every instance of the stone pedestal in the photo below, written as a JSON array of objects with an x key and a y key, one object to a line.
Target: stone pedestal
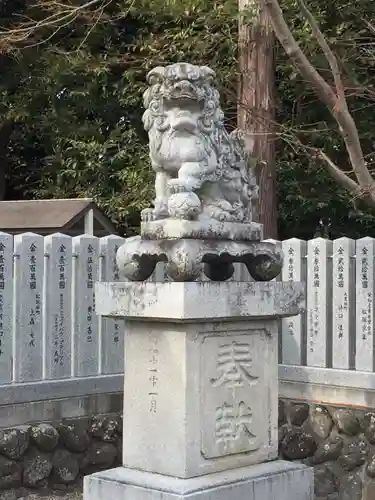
[
  {"x": 277, "y": 480},
  {"x": 200, "y": 391}
]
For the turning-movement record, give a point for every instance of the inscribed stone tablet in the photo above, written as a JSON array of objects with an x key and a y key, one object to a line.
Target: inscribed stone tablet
[
  {"x": 319, "y": 303},
  {"x": 112, "y": 330},
  {"x": 58, "y": 298},
  {"x": 6, "y": 306},
  {"x": 343, "y": 319},
  {"x": 86, "y": 345},
  {"x": 365, "y": 254},
  {"x": 28, "y": 282}
]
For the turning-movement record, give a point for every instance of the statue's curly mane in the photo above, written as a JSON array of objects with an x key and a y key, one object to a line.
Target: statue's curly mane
[{"x": 229, "y": 148}]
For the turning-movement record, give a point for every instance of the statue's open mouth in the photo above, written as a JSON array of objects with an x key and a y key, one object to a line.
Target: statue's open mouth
[{"x": 183, "y": 101}]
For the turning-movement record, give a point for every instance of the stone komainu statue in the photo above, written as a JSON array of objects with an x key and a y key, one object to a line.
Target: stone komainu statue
[
  {"x": 201, "y": 222},
  {"x": 202, "y": 171}
]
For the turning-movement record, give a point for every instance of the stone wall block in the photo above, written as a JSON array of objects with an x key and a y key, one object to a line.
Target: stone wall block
[
  {"x": 330, "y": 449},
  {"x": 344, "y": 457},
  {"x": 99, "y": 456},
  {"x": 44, "y": 436},
  {"x": 346, "y": 421},
  {"x": 74, "y": 435},
  {"x": 325, "y": 482},
  {"x": 320, "y": 422},
  {"x": 37, "y": 468},
  {"x": 350, "y": 487},
  {"x": 14, "y": 442},
  {"x": 42, "y": 456},
  {"x": 297, "y": 444},
  {"x": 282, "y": 413},
  {"x": 298, "y": 413},
  {"x": 354, "y": 453},
  {"x": 369, "y": 426},
  {"x": 10, "y": 474},
  {"x": 105, "y": 427},
  {"x": 65, "y": 466}
]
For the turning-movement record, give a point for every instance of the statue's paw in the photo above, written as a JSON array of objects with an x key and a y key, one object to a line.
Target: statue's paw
[
  {"x": 222, "y": 216},
  {"x": 148, "y": 215}
]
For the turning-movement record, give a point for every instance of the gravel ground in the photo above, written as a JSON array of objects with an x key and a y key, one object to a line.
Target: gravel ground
[{"x": 75, "y": 495}]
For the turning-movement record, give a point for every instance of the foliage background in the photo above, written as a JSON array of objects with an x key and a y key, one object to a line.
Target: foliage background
[{"x": 74, "y": 104}]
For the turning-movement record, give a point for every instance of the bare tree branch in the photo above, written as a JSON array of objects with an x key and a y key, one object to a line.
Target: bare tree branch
[
  {"x": 336, "y": 104},
  {"x": 59, "y": 14},
  {"x": 329, "y": 55}
]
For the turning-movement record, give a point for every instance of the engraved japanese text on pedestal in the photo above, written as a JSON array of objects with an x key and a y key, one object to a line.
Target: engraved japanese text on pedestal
[{"x": 234, "y": 399}]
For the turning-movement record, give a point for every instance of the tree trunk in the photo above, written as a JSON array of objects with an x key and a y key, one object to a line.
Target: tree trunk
[{"x": 256, "y": 107}]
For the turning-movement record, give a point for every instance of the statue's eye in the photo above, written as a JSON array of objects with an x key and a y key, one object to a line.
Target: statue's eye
[{"x": 154, "y": 106}]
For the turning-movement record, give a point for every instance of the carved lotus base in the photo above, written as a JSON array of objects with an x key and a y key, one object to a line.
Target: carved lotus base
[{"x": 186, "y": 258}]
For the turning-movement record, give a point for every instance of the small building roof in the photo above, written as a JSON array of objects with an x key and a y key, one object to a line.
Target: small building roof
[{"x": 55, "y": 215}]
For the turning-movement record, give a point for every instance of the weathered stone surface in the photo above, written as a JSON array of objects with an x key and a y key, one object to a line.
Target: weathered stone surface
[
  {"x": 350, "y": 487},
  {"x": 204, "y": 229},
  {"x": 101, "y": 455},
  {"x": 10, "y": 473},
  {"x": 298, "y": 413},
  {"x": 199, "y": 300},
  {"x": 298, "y": 444},
  {"x": 328, "y": 450},
  {"x": 14, "y": 442},
  {"x": 185, "y": 259},
  {"x": 65, "y": 466},
  {"x": 105, "y": 427},
  {"x": 320, "y": 422},
  {"x": 74, "y": 435},
  {"x": 276, "y": 480},
  {"x": 370, "y": 467},
  {"x": 37, "y": 467},
  {"x": 354, "y": 453},
  {"x": 369, "y": 426},
  {"x": 34, "y": 468},
  {"x": 346, "y": 421},
  {"x": 324, "y": 481},
  {"x": 44, "y": 436},
  {"x": 201, "y": 349}
]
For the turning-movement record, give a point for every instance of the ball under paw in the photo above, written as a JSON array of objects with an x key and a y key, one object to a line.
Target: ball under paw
[{"x": 184, "y": 206}]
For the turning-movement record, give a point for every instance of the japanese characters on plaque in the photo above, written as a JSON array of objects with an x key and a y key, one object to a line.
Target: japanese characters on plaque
[
  {"x": 233, "y": 402},
  {"x": 58, "y": 249},
  {"x": 28, "y": 277},
  {"x": 319, "y": 315},
  {"x": 86, "y": 345},
  {"x": 6, "y": 303},
  {"x": 342, "y": 302},
  {"x": 294, "y": 269},
  {"x": 153, "y": 377},
  {"x": 112, "y": 330},
  {"x": 365, "y": 253}
]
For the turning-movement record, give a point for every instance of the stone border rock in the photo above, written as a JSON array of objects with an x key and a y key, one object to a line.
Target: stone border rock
[
  {"x": 338, "y": 442},
  {"x": 44, "y": 456}
]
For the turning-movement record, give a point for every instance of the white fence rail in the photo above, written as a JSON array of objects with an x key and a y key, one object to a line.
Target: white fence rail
[
  {"x": 52, "y": 343},
  {"x": 327, "y": 353}
]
